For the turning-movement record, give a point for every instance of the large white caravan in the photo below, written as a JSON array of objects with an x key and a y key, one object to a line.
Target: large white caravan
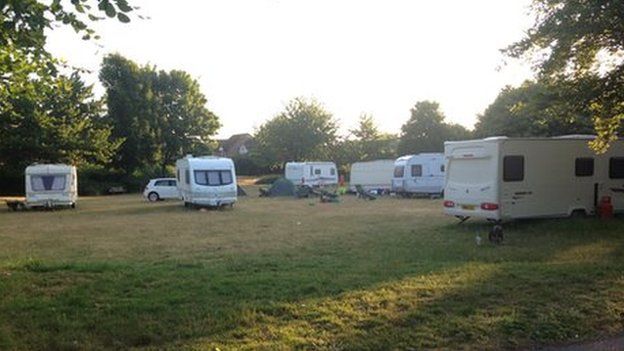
[
  {"x": 311, "y": 173},
  {"x": 505, "y": 178},
  {"x": 372, "y": 175},
  {"x": 51, "y": 185},
  {"x": 419, "y": 174},
  {"x": 206, "y": 181}
]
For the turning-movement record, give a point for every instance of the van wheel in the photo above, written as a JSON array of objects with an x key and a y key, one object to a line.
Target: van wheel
[
  {"x": 496, "y": 235},
  {"x": 73, "y": 205},
  {"x": 153, "y": 197}
]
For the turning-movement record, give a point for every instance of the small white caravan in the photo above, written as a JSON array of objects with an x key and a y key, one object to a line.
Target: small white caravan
[
  {"x": 206, "y": 181},
  {"x": 51, "y": 185},
  {"x": 502, "y": 178},
  {"x": 419, "y": 174},
  {"x": 372, "y": 175},
  {"x": 311, "y": 173}
]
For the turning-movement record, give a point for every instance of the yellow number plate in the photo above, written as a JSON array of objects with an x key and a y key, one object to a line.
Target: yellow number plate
[{"x": 468, "y": 207}]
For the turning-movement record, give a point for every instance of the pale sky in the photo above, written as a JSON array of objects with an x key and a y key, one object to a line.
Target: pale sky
[{"x": 376, "y": 57}]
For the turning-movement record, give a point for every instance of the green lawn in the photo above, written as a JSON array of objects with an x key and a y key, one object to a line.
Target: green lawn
[{"x": 282, "y": 273}]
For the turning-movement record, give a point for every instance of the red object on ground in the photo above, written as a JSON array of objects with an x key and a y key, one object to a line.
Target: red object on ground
[
  {"x": 605, "y": 208},
  {"x": 342, "y": 180}
]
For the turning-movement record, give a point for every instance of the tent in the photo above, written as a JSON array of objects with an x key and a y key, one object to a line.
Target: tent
[{"x": 280, "y": 187}]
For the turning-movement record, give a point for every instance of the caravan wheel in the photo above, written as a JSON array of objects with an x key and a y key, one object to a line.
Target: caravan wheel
[{"x": 496, "y": 235}]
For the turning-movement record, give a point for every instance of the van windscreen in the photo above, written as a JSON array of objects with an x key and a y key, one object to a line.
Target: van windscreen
[
  {"x": 213, "y": 177},
  {"x": 47, "y": 182},
  {"x": 468, "y": 170}
]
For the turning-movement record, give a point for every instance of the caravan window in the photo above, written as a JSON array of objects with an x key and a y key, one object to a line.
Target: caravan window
[
  {"x": 616, "y": 167},
  {"x": 416, "y": 170},
  {"x": 187, "y": 176},
  {"x": 213, "y": 177},
  {"x": 442, "y": 168},
  {"x": 584, "y": 167},
  {"x": 47, "y": 182},
  {"x": 332, "y": 171},
  {"x": 317, "y": 171},
  {"x": 399, "y": 171},
  {"x": 513, "y": 168},
  {"x": 178, "y": 174}
]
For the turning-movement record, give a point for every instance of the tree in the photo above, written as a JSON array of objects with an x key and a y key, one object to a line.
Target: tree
[
  {"x": 56, "y": 120},
  {"x": 575, "y": 40},
  {"x": 303, "y": 131},
  {"x": 538, "y": 109},
  {"x": 370, "y": 143},
  {"x": 426, "y": 130},
  {"x": 160, "y": 115}
]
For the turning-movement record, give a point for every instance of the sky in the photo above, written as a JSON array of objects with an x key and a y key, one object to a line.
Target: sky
[{"x": 375, "y": 57}]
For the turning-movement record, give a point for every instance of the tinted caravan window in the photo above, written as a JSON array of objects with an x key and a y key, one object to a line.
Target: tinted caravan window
[
  {"x": 584, "y": 167},
  {"x": 513, "y": 168},
  {"x": 616, "y": 167},
  {"x": 398, "y": 171},
  {"x": 416, "y": 170}
]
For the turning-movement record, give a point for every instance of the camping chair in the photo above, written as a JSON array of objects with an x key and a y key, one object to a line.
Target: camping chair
[
  {"x": 363, "y": 194},
  {"x": 327, "y": 196},
  {"x": 303, "y": 191}
]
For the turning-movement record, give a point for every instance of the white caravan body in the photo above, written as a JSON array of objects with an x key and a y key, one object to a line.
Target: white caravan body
[
  {"x": 49, "y": 185},
  {"x": 502, "y": 178},
  {"x": 311, "y": 173},
  {"x": 372, "y": 175},
  {"x": 206, "y": 181},
  {"x": 419, "y": 174}
]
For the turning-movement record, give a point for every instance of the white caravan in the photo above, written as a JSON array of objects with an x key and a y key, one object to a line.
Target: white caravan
[
  {"x": 51, "y": 185},
  {"x": 311, "y": 173},
  {"x": 419, "y": 174},
  {"x": 372, "y": 175},
  {"x": 206, "y": 181},
  {"x": 502, "y": 178}
]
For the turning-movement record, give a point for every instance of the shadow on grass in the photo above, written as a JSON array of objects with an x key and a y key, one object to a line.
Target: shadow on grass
[{"x": 524, "y": 299}]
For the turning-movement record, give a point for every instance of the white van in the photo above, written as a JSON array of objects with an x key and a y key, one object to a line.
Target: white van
[
  {"x": 372, "y": 175},
  {"x": 311, "y": 173},
  {"x": 51, "y": 185},
  {"x": 506, "y": 178},
  {"x": 419, "y": 174},
  {"x": 206, "y": 181}
]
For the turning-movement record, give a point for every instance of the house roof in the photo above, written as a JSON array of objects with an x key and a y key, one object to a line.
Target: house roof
[{"x": 232, "y": 145}]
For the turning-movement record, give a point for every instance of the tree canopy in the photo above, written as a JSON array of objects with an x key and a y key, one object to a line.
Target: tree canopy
[
  {"x": 303, "y": 131},
  {"x": 160, "y": 115},
  {"x": 426, "y": 130},
  {"x": 539, "y": 109},
  {"x": 574, "y": 40}
]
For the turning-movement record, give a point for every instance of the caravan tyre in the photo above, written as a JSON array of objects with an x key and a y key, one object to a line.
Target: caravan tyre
[
  {"x": 73, "y": 205},
  {"x": 153, "y": 196},
  {"x": 496, "y": 235}
]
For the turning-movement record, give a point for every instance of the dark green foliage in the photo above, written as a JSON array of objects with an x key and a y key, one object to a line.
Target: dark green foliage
[
  {"x": 303, "y": 131},
  {"x": 572, "y": 40},
  {"x": 426, "y": 130},
  {"x": 160, "y": 115},
  {"x": 52, "y": 119},
  {"x": 539, "y": 109}
]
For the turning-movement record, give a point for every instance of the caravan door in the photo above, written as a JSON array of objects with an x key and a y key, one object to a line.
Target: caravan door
[{"x": 614, "y": 184}]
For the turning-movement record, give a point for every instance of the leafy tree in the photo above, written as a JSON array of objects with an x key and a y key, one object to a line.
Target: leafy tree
[
  {"x": 574, "y": 40},
  {"x": 539, "y": 109},
  {"x": 56, "y": 120},
  {"x": 370, "y": 143},
  {"x": 160, "y": 115},
  {"x": 303, "y": 131},
  {"x": 426, "y": 130}
]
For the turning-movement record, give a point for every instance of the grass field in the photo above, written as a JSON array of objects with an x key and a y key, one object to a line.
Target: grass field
[{"x": 282, "y": 273}]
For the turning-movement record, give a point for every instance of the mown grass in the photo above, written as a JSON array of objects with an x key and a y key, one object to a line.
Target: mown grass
[{"x": 119, "y": 273}]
